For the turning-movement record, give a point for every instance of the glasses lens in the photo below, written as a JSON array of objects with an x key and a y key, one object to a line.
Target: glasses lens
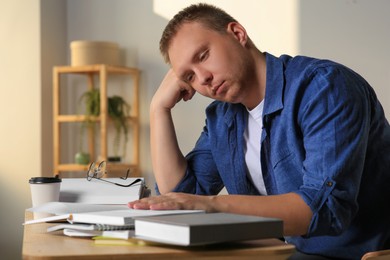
[
  {"x": 101, "y": 170},
  {"x": 91, "y": 171}
]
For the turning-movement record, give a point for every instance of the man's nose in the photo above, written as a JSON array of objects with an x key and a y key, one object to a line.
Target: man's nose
[{"x": 205, "y": 77}]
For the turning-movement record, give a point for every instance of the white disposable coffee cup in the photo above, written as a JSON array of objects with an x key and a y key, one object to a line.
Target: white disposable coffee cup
[{"x": 44, "y": 189}]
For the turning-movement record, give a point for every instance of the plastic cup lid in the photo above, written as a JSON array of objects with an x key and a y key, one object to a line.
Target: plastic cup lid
[{"x": 37, "y": 180}]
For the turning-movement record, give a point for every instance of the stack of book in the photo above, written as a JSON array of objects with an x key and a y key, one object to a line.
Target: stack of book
[
  {"x": 175, "y": 227},
  {"x": 98, "y": 210}
]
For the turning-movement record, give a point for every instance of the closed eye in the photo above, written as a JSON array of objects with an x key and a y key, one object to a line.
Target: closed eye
[
  {"x": 188, "y": 77},
  {"x": 203, "y": 56}
]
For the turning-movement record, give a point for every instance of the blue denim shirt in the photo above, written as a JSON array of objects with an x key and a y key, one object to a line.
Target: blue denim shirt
[{"x": 325, "y": 137}]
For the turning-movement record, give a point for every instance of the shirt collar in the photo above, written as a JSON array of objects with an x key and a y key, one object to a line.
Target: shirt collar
[{"x": 273, "y": 100}]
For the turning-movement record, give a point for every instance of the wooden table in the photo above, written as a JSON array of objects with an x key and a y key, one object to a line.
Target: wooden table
[{"x": 37, "y": 244}]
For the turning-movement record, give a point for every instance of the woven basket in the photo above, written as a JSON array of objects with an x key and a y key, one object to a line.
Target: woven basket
[{"x": 94, "y": 52}]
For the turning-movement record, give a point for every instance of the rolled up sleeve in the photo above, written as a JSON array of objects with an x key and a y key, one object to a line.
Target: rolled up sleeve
[{"x": 335, "y": 127}]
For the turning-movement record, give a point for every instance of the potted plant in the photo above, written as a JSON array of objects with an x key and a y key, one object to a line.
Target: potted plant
[{"x": 118, "y": 111}]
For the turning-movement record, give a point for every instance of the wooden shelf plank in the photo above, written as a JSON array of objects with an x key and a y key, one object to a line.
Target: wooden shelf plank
[
  {"x": 110, "y": 166},
  {"x": 113, "y": 169},
  {"x": 95, "y": 68},
  {"x": 83, "y": 118}
]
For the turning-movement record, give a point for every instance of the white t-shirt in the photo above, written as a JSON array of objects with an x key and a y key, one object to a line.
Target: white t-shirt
[{"x": 253, "y": 145}]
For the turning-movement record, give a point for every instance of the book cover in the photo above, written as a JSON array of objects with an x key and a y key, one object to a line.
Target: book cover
[{"x": 210, "y": 228}]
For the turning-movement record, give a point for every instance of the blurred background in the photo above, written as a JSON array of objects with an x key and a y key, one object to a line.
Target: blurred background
[{"x": 35, "y": 36}]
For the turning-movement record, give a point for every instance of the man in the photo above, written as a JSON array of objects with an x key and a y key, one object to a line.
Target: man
[{"x": 300, "y": 139}]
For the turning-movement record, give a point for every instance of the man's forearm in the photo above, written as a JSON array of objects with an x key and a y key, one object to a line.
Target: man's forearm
[
  {"x": 289, "y": 207},
  {"x": 169, "y": 164}
]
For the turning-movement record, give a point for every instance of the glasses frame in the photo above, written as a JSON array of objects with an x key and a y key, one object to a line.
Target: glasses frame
[{"x": 93, "y": 173}]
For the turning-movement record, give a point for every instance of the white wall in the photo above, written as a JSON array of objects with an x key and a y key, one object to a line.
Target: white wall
[
  {"x": 353, "y": 32},
  {"x": 19, "y": 114},
  {"x": 26, "y": 27},
  {"x": 52, "y": 52}
]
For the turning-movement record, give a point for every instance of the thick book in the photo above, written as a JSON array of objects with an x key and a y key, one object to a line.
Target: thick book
[
  {"x": 208, "y": 228},
  {"x": 112, "y": 217}
]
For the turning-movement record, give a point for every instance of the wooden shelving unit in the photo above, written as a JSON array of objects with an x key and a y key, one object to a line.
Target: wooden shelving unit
[{"x": 101, "y": 71}]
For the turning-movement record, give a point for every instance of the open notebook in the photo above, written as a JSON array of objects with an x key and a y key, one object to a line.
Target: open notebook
[{"x": 91, "y": 214}]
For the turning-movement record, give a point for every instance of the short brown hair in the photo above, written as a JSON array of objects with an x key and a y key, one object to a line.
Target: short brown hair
[{"x": 210, "y": 16}]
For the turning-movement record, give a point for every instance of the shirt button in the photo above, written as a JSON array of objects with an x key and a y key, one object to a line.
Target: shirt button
[{"x": 329, "y": 184}]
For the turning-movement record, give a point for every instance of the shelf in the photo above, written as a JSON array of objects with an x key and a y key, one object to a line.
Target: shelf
[{"x": 103, "y": 72}]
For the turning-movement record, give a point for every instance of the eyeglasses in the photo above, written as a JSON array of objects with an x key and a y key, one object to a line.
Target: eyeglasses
[{"x": 97, "y": 172}]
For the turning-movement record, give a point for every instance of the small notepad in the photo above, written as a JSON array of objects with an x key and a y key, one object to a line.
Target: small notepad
[{"x": 89, "y": 227}]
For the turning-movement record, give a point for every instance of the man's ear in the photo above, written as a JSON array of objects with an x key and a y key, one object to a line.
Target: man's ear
[{"x": 238, "y": 31}]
